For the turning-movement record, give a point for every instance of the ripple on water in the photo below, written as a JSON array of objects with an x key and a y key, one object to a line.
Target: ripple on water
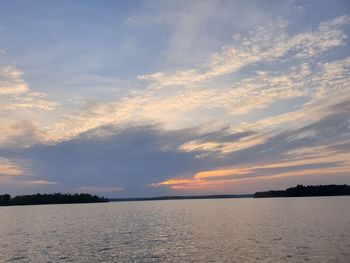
[
  {"x": 232, "y": 230},
  {"x": 19, "y": 258}
]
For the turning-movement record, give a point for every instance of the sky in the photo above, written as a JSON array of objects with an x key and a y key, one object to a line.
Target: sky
[{"x": 151, "y": 98}]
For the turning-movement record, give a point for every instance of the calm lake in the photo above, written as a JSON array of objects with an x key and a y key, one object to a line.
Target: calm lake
[{"x": 313, "y": 229}]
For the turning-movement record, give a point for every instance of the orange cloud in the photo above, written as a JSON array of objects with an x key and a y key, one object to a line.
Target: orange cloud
[
  {"x": 214, "y": 178},
  {"x": 220, "y": 173},
  {"x": 173, "y": 182}
]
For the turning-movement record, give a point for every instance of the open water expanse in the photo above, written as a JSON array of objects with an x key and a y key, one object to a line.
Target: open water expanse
[{"x": 313, "y": 229}]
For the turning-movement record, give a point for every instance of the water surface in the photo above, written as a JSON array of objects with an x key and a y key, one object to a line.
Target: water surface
[{"x": 314, "y": 229}]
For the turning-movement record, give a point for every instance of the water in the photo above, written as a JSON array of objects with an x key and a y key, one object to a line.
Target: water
[{"x": 315, "y": 229}]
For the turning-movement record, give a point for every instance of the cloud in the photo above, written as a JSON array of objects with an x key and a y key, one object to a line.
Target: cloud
[
  {"x": 191, "y": 29},
  {"x": 8, "y": 168},
  {"x": 343, "y": 147},
  {"x": 268, "y": 104},
  {"x": 16, "y": 90},
  {"x": 19, "y": 134},
  {"x": 129, "y": 158},
  {"x": 266, "y": 43},
  {"x": 178, "y": 109},
  {"x": 137, "y": 157},
  {"x": 21, "y": 110},
  {"x": 215, "y": 146},
  {"x": 313, "y": 149},
  {"x": 38, "y": 182},
  {"x": 29, "y": 103},
  {"x": 11, "y": 81},
  {"x": 280, "y": 67}
]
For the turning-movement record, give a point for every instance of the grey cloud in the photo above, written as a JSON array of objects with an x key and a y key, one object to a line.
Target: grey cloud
[
  {"x": 331, "y": 131},
  {"x": 340, "y": 147},
  {"x": 134, "y": 157},
  {"x": 224, "y": 135},
  {"x": 131, "y": 158}
]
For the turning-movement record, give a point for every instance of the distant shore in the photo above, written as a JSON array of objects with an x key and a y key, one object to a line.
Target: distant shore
[
  {"x": 46, "y": 199},
  {"x": 57, "y": 198},
  {"x": 180, "y": 197},
  {"x": 304, "y": 191},
  {"x": 297, "y": 191}
]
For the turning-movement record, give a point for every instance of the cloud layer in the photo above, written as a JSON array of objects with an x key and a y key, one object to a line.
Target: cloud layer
[{"x": 263, "y": 107}]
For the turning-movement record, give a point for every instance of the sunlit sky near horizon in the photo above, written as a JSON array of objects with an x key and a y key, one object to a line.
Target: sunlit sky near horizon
[{"x": 149, "y": 98}]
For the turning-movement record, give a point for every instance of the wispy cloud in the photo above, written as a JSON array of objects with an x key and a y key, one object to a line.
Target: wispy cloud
[
  {"x": 11, "y": 81},
  {"x": 176, "y": 99},
  {"x": 8, "y": 168},
  {"x": 208, "y": 179},
  {"x": 21, "y": 110},
  {"x": 38, "y": 182},
  {"x": 299, "y": 152},
  {"x": 267, "y": 43}
]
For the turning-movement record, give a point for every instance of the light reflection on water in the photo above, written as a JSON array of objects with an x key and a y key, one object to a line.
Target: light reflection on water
[{"x": 313, "y": 229}]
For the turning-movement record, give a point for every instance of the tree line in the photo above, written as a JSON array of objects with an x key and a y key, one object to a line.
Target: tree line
[
  {"x": 57, "y": 198},
  {"x": 310, "y": 190}
]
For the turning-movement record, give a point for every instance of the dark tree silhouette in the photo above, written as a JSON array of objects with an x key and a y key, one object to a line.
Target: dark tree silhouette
[
  {"x": 5, "y": 199},
  {"x": 310, "y": 190},
  {"x": 56, "y": 198}
]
